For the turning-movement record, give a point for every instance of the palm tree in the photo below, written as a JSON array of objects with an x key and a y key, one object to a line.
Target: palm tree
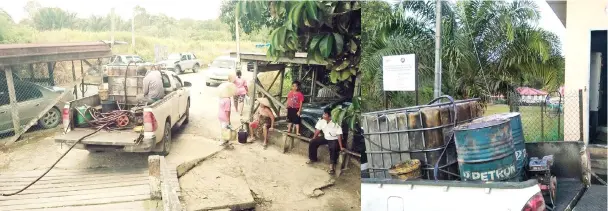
[{"x": 487, "y": 46}]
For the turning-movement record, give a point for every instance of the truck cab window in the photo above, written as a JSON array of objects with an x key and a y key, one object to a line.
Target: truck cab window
[
  {"x": 178, "y": 82},
  {"x": 166, "y": 81}
]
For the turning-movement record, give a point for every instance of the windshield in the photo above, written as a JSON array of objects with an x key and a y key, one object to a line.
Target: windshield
[
  {"x": 223, "y": 64},
  {"x": 174, "y": 57},
  {"x": 134, "y": 59}
]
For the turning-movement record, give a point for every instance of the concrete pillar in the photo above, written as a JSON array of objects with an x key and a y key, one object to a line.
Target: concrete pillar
[{"x": 154, "y": 176}]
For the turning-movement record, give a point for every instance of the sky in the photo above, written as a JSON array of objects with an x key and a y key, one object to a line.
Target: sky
[{"x": 195, "y": 9}]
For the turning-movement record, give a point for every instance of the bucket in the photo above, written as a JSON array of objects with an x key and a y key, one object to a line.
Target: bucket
[
  {"x": 80, "y": 120},
  {"x": 410, "y": 169},
  {"x": 519, "y": 141},
  {"x": 108, "y": 106},
  {"x": 486, "y": 151}
]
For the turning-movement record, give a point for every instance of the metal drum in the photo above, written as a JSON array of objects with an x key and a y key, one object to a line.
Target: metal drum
[
  {"x": 519, "y": 142},
  {"x": 485, "y": 150},
  {"x": 518, "y": 139}
]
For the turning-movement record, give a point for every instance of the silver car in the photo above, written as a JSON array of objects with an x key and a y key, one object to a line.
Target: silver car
[
  {"x": 220, "y": 69},
  {"x": 31, "y": 99}
]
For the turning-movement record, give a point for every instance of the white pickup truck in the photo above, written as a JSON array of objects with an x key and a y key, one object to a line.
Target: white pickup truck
[
  {"x": 158, "y": 119},
  {"x": 575, "y": 188}
]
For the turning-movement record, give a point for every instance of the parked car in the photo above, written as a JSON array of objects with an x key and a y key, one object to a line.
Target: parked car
[
  {"x": 31, "y": 99},
  {"x": 125, "y": 59},
  {"x": 178, "y": 62},
  {"x": 220, "y": 69},
  {"x": 313, "y": 112}
]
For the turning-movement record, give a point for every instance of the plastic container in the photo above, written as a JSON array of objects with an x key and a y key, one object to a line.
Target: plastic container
[
  {"x": 108, "y": 106},
  {"x": 80, "y": 120}
]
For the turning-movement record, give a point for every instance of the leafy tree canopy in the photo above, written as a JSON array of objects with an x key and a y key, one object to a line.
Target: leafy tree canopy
[{"x": 329, "y": 31}]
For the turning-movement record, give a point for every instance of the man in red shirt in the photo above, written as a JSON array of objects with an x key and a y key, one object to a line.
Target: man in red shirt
[{"x": 295, "y": 98}]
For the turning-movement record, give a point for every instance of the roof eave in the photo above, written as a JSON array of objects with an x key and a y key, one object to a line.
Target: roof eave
[{"x": 559, "y": 7}]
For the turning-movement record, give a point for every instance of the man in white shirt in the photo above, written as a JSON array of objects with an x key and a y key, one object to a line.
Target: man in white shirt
[{"x": 332, "y": 136}]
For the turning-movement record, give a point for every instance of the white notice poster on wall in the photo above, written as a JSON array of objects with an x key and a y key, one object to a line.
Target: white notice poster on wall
[{"x": 399, "y": 72}]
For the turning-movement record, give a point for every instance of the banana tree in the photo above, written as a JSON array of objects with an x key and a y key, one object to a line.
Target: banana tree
[{"x": 329, "y": 31}]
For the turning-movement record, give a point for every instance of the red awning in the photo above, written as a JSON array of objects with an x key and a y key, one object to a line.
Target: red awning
[{"x": 527, "y": 91}]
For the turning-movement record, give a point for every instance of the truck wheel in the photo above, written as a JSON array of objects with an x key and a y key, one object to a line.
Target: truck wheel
[
  {"x": 178, "y": 70},
  {"x": 51, "y": 119},
  {"x": 166, "y": 139},
  {"x": 195, "y": 68}
]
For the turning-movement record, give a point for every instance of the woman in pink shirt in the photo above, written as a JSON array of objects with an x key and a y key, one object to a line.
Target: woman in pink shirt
[
  {"x": 241, "y": 92},
  {"x": 226, "y": 90}
]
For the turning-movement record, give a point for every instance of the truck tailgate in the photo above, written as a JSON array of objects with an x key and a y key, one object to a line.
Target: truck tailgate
[{"x": 115, "y": 138}]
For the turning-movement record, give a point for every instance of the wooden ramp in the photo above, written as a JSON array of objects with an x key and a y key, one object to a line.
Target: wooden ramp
[{"x": 99, "y": 189}]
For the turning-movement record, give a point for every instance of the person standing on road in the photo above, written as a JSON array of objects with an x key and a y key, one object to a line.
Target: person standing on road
[
  {"x": 265, "y": 119},
  {"x": 241, "y": 92},
  {"x": 295, "y": 99},
  {"x": 332, "y": 136},
  {"x": 226, "y": 90},
  {"x": 153, "y": 85}
]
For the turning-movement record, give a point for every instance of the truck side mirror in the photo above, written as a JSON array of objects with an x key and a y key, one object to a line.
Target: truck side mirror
[{"x": 187, "y": 84}]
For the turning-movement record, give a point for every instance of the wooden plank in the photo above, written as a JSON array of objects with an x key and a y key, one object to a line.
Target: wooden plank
[
  {"x": 61, "y": 203},
  {"x": 114, "y": 138},
  {"x": 70, "y": 172},
  {"x": 71, "y": 186},
  {"x": 24, "y": 181},
  {"x": 143, "y": 189},
  {"x": 13, "y": 101},
  {"x": 142, "y": 205}
]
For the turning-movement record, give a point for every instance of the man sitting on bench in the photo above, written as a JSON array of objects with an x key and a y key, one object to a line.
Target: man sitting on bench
[{"x": 332, "y": 136}]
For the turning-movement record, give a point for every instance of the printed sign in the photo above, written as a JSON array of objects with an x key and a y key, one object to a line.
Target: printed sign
[
  {"x": 399, "y": 72},
  {"x": 493, "y": 175}
]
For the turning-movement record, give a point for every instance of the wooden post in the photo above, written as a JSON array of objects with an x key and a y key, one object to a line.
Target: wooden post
[
  {"x": 154, "y": 176},
  {"x": 281, "y": 88},
  {"x": 253, "y": 95},
  {"x": 31, "y": 70},
  {"x": 74, "y": 79},
  {"x": 51, "y": 70},
  {"x": 82, "y": 79},
  {"x": 312, "y": 85},
  {"x": 12, "y": 99}
]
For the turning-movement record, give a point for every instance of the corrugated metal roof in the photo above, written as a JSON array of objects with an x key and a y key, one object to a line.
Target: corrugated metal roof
[{"x": 14, "y": 54}]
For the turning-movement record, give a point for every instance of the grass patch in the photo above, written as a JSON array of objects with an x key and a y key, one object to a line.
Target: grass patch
[{"x": 537, "y": 125}]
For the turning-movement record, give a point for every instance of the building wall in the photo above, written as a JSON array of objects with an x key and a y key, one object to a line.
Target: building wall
[{"x": 582, "y": 17}]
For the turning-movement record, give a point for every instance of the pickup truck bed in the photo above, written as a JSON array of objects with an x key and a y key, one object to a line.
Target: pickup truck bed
[
  {"x": 567, "y": 190},
  {"x": 594, "y": 199},
  {"x": 118, "y": 138}
]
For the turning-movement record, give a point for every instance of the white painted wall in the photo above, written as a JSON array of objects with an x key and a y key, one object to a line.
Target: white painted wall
[{"x": 583, "y": 16}]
